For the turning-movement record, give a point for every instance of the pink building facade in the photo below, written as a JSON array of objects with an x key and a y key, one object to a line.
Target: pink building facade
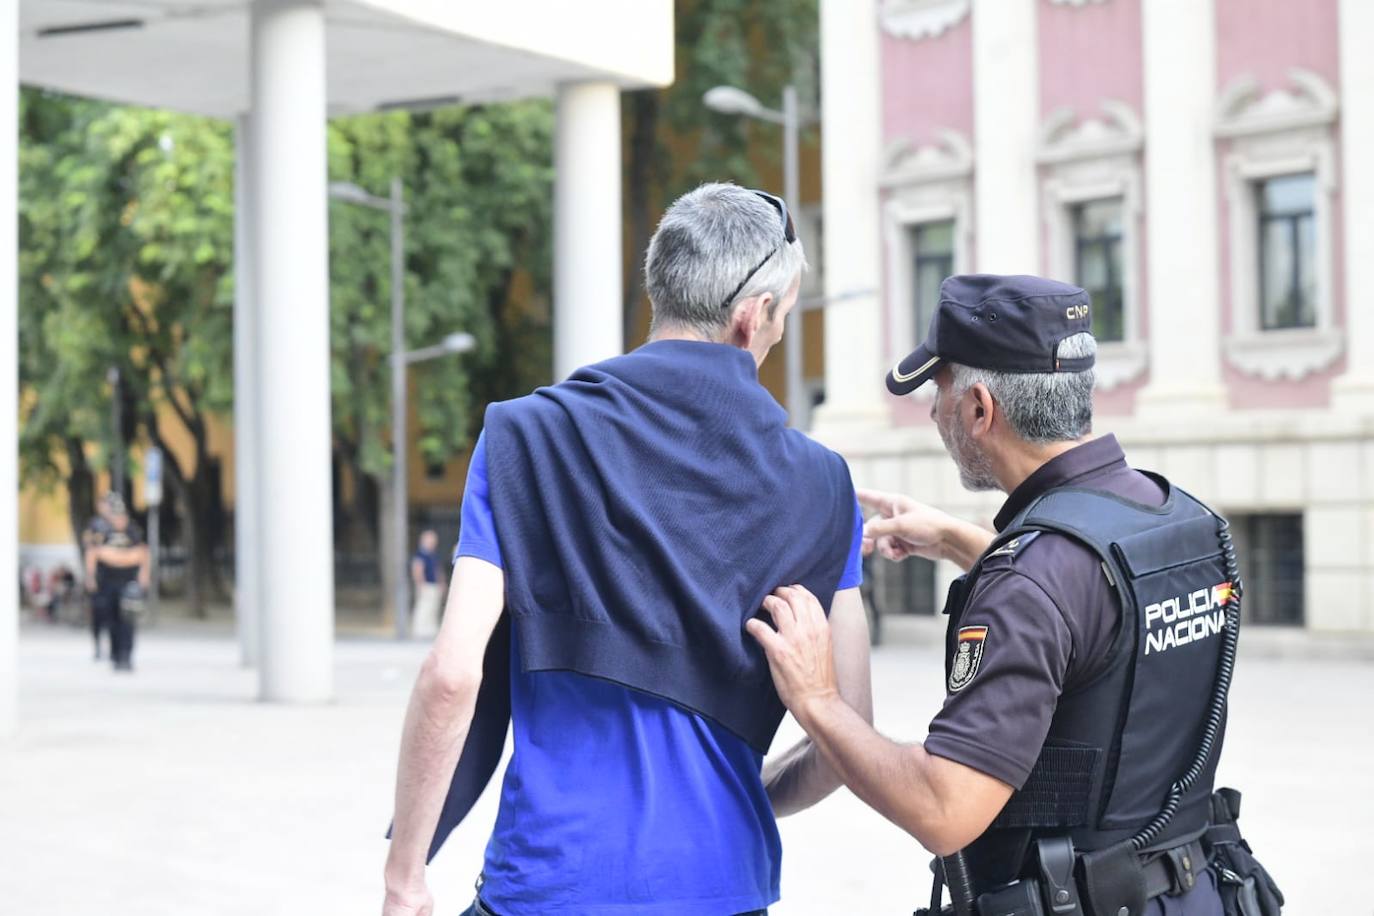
[{"x": 1188, "y": 162}]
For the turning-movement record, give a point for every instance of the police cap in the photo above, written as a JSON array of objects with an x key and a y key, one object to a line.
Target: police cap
[{"x": 1008, "y": 324}]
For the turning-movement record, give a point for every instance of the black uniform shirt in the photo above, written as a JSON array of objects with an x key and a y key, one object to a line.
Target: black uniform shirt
[
  {"x": 1050, "y": 618},
  {"x": 110, "y": 578}
]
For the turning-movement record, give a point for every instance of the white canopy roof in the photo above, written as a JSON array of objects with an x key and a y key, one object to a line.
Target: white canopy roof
[{"x": 192, "y": 56}]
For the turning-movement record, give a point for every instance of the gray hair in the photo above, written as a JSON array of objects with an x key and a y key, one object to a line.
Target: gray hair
[
  {"x": 1040, "y": 407},
  {"x": 705, "y": 245}
]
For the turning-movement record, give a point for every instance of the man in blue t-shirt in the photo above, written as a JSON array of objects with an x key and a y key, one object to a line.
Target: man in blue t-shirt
[{"x": 618, "y": 801}]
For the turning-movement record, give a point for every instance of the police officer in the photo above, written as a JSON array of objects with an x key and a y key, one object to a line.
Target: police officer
[
  {"x": 1085, "y": 641},
  {"x": 117, "y": 568}
]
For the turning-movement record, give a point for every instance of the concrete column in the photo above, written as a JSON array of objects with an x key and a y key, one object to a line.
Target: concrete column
[
  {"x": 587, "y": 294},
  {"x": 1181, "y": 208},
  {"x": 851, "y": 157},
  {"x": 289, "y": 237},
  {"x": 247, "y": 535},
  {"x": 9, "y": 363},
  {"x": 1006, "y": 113},
  {"x": 1355, "y": 390}
]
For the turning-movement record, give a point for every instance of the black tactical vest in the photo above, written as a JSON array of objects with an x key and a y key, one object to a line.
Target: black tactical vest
[{"x": 1118, "y": 742}]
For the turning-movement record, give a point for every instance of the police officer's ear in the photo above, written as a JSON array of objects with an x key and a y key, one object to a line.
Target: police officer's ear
[{"x": 982, "y": 409}]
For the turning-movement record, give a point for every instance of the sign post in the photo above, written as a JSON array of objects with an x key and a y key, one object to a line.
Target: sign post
[{"x": 152, "y": 497}]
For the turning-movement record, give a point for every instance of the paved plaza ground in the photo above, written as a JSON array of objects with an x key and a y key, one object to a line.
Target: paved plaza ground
[{"x": 172, "y": 791}]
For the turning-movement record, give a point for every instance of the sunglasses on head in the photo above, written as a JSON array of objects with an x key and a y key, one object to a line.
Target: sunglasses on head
[{"x": 789, "y": 235}]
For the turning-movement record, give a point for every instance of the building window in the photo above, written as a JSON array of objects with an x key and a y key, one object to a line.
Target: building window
[
  {"x": 1097, "y": 229},
  {"x": 1270, "y": 551},
  {"x": 932, "y": 251},
  {"x": 1287, "y": 251},
  {"x": 1278, "y": 154}
]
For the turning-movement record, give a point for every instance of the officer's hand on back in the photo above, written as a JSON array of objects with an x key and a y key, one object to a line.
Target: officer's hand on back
[{"x": 799, "y": 650}]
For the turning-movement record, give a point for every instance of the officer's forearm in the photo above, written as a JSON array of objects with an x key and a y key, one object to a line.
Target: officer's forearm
[
  {"x": 902, "y": 782},
  {"x": 436, "y": 727},
  {"x": 963, "y": 542}
]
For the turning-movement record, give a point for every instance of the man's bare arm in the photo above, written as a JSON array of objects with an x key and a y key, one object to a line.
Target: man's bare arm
[
  {"x": 436, "y": 726},
  {"x": 943, "y": 804},
  {"x": 91, "y": 552},
  {"x": 800, "y": 777}
]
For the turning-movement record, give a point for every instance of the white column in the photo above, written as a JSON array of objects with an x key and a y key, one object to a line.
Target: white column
[
  {"x": 247, "y": 539},
  {"x": 9, "y": 363},
  {"x": 851, "y": 156},
  {"x": 1006, "y": 109},
  {"x": 587, "y": 293},
  {"x": 1355, "y": 389},
  {"x": 1181, "y": 208},
  {"x": 289, "y": 235}
]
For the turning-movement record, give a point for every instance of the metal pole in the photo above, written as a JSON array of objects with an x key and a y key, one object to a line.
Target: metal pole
[
  {"x": 400, "y": 516},
  {"x": 154, "y": 569},
  {"x": 117, "y": 418},
  {"x": 797, "y": 409}
]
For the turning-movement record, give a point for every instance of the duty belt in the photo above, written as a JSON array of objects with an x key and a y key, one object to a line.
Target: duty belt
[
  {"x": 1174, "y": 871},
  {"x": 1066, "y": 884}
]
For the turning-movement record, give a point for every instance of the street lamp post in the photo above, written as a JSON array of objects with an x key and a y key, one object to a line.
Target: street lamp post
[
  {"x": 394, "y": 205},
  {"x": 730, "y": 100}
]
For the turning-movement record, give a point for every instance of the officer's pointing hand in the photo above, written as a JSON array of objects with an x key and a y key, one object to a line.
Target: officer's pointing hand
[
  {"x": 904, "y": 527},
  {"x": 907, "y": 528},
  {"x": 799, "y": 652}
]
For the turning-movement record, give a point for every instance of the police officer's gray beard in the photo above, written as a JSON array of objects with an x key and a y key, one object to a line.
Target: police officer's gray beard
[{"x": 975, "y": 468}]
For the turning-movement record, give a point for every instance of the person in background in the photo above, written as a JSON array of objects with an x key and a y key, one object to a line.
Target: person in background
[
  {"x": 60, "y": 584},
  {"x": 424, "y": 576},
  {"x": 95, "y": 535},
  {"x": 112, "y": 566}
]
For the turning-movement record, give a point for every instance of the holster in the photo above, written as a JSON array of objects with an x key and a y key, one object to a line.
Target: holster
[
  {"x": 1112, "y": 881},
  {"x": 1247, "y": 889}
]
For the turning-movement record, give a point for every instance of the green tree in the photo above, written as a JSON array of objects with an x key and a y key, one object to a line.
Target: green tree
[
  {"x": 478, "y": 184},
  {"x": 126, "y": 227},
  {"x": 65, "y": 405}
]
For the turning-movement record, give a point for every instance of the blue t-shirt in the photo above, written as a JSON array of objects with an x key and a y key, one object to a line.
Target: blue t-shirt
[{"x": 620, "y": 802}]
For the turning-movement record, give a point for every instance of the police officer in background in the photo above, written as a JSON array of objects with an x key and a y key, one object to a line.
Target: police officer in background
[
  {"x": 1089, "y": 647},
  {"x": 118, "y": 569}
]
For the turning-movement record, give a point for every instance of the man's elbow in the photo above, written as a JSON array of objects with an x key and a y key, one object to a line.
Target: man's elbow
[
  {"x": 948, "y": 832},
  {"x": 946, "y": 841},
  {"x": 446, "y": 682}
]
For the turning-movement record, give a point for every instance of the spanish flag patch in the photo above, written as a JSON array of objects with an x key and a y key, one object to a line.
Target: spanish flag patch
[{"x": 968, "y": 654}]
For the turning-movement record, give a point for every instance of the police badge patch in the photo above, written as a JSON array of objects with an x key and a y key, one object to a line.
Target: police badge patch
[{"x": 967, "y": 656}]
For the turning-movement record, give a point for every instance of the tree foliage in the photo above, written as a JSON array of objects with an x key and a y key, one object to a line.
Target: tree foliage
[
  {"x": 126, "y": 227},
  {"x": 478, "y": 186},
  {"x": 126, "y": 233}
]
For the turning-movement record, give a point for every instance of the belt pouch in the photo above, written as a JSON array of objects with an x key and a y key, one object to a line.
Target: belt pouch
[
  {"x": 1112, "y": 881},
  {"x": 1019, "y": 899}
]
